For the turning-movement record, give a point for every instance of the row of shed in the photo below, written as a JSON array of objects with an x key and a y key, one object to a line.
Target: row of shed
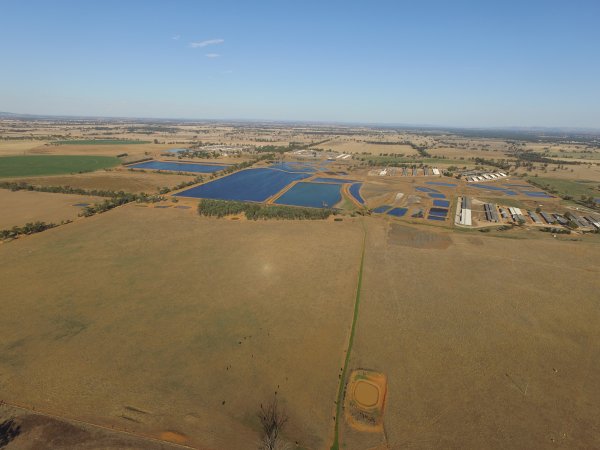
[{"x": 486, "y": 177}]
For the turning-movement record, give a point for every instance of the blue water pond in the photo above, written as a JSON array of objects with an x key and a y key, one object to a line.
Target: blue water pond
[
  {"x": 255, "y": 185},
  {"x": 355, "y": 192},
  {"x": 398, "y": 212},
  {"x": 315, "y": 195}
]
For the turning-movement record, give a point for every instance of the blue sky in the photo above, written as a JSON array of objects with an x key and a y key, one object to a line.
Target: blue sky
[{"x": 456, "y": 63}]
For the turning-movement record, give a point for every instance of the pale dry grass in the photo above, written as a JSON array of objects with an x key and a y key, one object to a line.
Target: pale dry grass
[
  {"x": 352, "y": 146},
  {"x": 189, "y": 323},
  {"x": 114, "y": 180},
  {"x": 12, "y": 148},
  {"x": 487, "y": 334},
  {"x": 21, "y": 207}
]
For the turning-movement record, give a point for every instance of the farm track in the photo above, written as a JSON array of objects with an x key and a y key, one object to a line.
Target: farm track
[{"x": 338, "y": 413}]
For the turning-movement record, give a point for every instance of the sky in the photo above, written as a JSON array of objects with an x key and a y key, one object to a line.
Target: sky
[{"x": 447, "y": 63}]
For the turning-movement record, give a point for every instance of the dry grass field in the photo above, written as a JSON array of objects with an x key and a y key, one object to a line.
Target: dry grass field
[
  {"x": 345, "y": 145},
  {"x": 21, "y": 207},
  {"x": 116, "y": 180},
  {"x": 486, "y": 342},
  {"x": 572, "y": 172},
  {"x": 152, "y": 320},
  {"x": 157, "y": 320},
  {"x": 457, "y": 153},
  {"x": 12, "y": 148}
]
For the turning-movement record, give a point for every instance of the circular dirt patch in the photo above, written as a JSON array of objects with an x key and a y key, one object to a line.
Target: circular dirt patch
[{"x": 366, "y": 394}]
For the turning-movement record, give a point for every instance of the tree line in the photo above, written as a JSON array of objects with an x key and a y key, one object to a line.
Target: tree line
[
  {"x": 23, "y": 186},
  {"x": 256, "y": 211},
  {"x": 28, "y": 228},
  {"x": 119, "y": 200}
]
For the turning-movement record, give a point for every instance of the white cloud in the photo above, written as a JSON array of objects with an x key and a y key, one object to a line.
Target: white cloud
[
  {"x": 176, "y": 37},
  {"x": 206, "y": 43},
  {"x": 212, "y": 55}
]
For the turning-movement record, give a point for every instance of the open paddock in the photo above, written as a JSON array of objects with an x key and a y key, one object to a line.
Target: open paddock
[
  {"x": 466, "y": 153},
  {"x": 475, "y": 335},
  {"x": 10, "y": 147},
  {"x": 21, "y": 207},
  {"x": 360, "y": 146},
  {"x": 166, "y": 321},
  {"x": 112, "y": 180}
]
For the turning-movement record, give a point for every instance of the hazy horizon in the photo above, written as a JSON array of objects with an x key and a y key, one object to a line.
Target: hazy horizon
[{"x": 463, "y": 65}]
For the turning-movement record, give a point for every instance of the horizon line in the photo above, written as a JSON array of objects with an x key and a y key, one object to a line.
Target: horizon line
[{"x": 5, "y": 114}]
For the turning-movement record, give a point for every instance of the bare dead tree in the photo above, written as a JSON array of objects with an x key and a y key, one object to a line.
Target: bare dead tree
[{"x": 272, "y": 420}]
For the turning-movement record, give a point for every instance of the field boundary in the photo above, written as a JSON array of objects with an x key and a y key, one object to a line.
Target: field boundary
[{"x": 340, "y": 395}]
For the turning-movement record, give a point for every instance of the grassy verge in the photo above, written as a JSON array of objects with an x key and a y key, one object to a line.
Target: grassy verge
[
  {"x": 340, "y": 396},
  {"x": 25, "y": 166}
]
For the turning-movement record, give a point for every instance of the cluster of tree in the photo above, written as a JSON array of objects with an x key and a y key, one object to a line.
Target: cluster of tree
[
  {"x": 273, "y": 148},
  {"x": 499, "y": 163},
  {"x": 119, "y": 200},
  {"x": 150, "y": 129},
  {"x": 183, "y": 184},
  {"x": 256, "y": 211},
  {"x": 28, "y": 228},
  {"x": 532, "y": 157},
  {"x": 314, "y": 144},
  {"x": 419, "y": 148}
]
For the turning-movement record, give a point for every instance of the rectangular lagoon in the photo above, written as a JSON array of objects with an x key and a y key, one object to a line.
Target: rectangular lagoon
[
  {"x": 252, "y": 185},
  {"x": 314, "y": 195}
]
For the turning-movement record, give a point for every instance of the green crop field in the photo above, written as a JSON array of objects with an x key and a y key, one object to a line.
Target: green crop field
[
  {"x": 23, "y": 166},
  {"x": 99, "y": 142}
]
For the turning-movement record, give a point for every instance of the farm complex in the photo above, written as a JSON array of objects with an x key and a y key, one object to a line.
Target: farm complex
[{"x": 377, "y": 287}]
